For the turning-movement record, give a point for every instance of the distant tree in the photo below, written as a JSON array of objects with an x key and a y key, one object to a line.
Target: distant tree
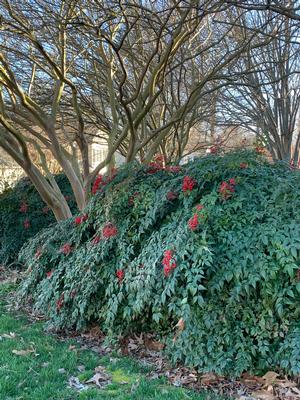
[{"x": 265, "y": 96}]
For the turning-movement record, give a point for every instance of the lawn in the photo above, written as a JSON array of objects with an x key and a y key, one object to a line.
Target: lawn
[{"x": 37, "y": 366}]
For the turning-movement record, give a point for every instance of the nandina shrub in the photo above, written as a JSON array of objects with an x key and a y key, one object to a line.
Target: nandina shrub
[
  {"x": 214, "y": 245},
  {"x": 23, "y": 214}
]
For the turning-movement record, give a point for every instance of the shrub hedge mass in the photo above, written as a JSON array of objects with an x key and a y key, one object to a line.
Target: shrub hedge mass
[
  {"x": 23, "y": 214},
  {"x": 213, "y": 244}
]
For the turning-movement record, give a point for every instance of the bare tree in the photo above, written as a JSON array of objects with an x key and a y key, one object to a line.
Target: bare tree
[
  {"x": 289, "y": 9},
  {"x": 265, "y": 97},
  {"x": 137, "y": 74}
]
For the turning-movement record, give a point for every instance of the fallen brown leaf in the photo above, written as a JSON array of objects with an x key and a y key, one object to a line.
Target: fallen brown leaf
[
  {"x": 132, "y": 345},
  {"x": 263, "y": 395},
  {"x": 180, "y": 325},
  {"x": 94, "y": 332},
  {"x": 101, "y": 378},
  {"x": 139, "y": 339},
  {"x": 269, "y": 378},
  {"x": 209, "y": 378},
  {"x": 124, "y": 342},
  {"x": 23, "y": 352},
  {"x": 153, "y": 345}
]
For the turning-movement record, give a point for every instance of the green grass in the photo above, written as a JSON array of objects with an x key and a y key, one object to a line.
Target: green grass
[{"x": 36, "y": 376}]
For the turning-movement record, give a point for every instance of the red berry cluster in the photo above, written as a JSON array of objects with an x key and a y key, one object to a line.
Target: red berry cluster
[
  {"x": 26, "y": 223},
  {"x": 168, "y": 262},
  {"x": 260, "y": 150},
  {"x": 214, "y": 149},
  {"x": 159, "y": 158},
  {"x": 193, "y": 222},
  {"x": 82, "y": 218},
  {"x": 171, "y": 196},
  {"x": 154, "y": 167},
  {"x": 132, "y": 198},
  {"x": 109, "y": 230},
  {"x": 96, "y": 239},
  {"x": 66, "y": 249},
  {"x": 38, "y": 253},
  {"x": 243, "y": 165},
  {"x": 101, "y": 181},
  {"x": 49, "y": 274},
  {"x": 159, "y": 164},
  {"x": 97, "y": 184},
  {"x": 188, "y": 184},
  {"x": 120, "y": 273},
  {"x": 226, "y": 189},
  {"x": 293, "y": 165},
  {"x": 173, "y": 168},
  {"x": 60, "y": 302},
  {"x": 23, "y": 207}
]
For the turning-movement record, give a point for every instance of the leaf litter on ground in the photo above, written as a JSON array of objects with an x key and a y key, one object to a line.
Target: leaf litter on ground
[{"x": 147, "y": 350}]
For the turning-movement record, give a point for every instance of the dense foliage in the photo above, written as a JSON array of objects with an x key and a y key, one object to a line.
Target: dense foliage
[
  {"x": 207, "y": 255},
  {"x": 23, "y": 214}
]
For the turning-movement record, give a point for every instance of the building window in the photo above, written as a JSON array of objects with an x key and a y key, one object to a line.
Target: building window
[{"x": 98, "y": 155}]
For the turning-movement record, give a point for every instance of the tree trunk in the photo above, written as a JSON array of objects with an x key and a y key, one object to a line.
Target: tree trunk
[{"x": 52, "y": 197}]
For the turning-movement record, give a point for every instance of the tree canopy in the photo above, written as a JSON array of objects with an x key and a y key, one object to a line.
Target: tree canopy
[{"x": 139, "y": 75}]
